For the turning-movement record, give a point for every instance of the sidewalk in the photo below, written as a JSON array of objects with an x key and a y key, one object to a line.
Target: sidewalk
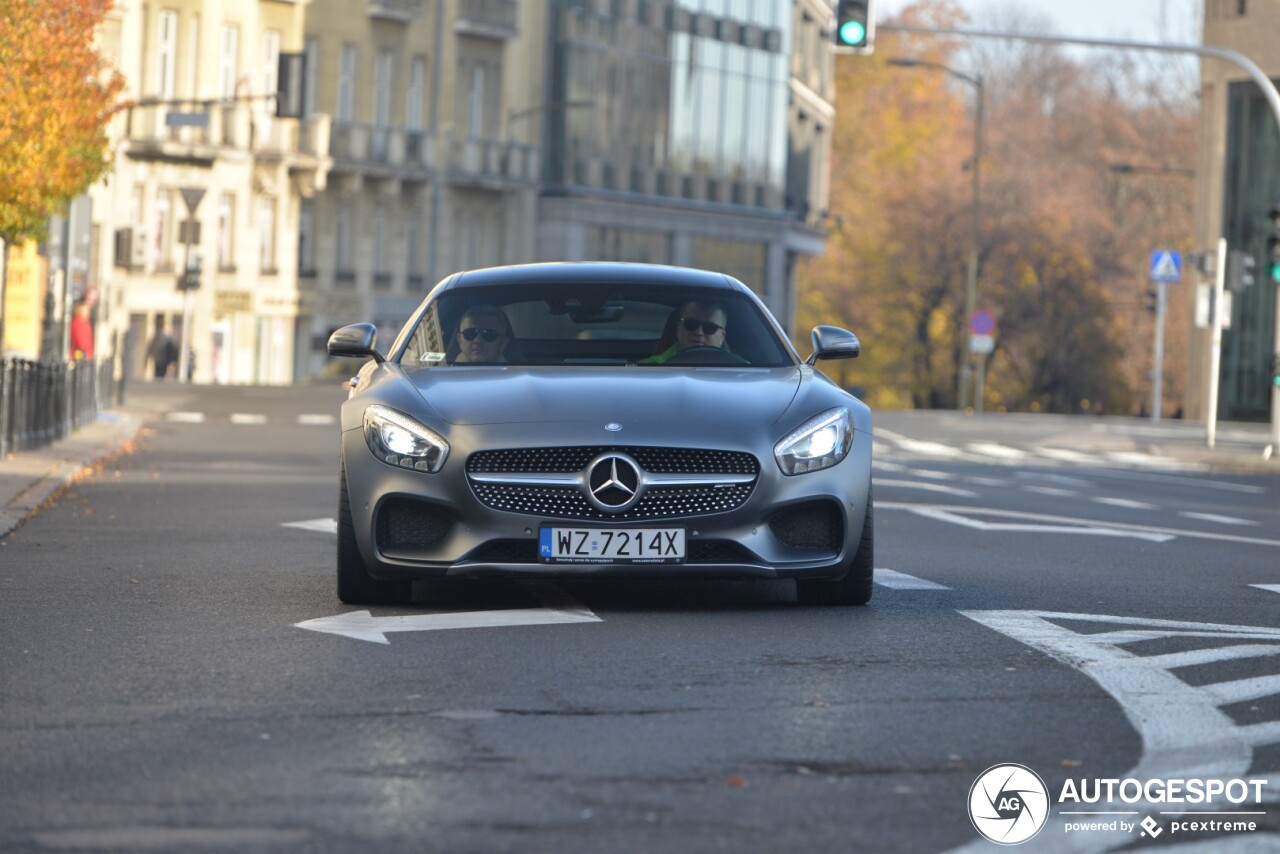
[{"x": 30, "y": 478}]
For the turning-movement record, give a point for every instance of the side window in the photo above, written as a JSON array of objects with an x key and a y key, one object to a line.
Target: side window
[{"x": 427, "y": 345}]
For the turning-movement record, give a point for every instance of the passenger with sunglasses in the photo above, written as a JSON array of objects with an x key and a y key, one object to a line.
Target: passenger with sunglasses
[
  {"x": 696, "y": 325},
  {"x": 483, "y": 336}
]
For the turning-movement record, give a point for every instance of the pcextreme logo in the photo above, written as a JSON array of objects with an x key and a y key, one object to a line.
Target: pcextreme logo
[{"x": 1008, "y": 804}]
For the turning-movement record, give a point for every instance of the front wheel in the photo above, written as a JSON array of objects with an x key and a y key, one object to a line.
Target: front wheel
[
  {"x": 855, "y": 587},
  {"x": 355, "y": 585}
]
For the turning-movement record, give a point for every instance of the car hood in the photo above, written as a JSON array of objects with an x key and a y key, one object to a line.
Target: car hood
[{"x": 505, "y": 395}]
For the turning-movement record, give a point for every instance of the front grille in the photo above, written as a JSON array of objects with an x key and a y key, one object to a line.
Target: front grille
[
  {"x": 656, "y": 460},
  {"x": 404, "y": 523},
  {"x": 568, "y": 502},
  {"x": 813, "y": 525},
  {"x": 526, "y": 551}
]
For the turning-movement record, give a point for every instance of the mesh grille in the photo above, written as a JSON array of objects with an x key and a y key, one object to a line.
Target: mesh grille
[
  {"x": 411, "y": 524},
  {"x": 815, "y": 525},
  {"x": 656, "y": 460},
  {"x": 567, "y": 502}
]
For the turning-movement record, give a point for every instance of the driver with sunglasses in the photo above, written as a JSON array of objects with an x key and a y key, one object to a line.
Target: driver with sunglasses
[
  {"x": 697, "y": 325},
  {"x": 483, "y": 336}
]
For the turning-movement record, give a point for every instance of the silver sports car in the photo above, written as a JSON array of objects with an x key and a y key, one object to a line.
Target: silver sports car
[{"x": 600, "y": 420}]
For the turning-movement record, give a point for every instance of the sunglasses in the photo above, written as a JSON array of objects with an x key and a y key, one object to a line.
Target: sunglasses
[
  {"x": 488, "y": 335},
  {"x": 691, "y": 324}
]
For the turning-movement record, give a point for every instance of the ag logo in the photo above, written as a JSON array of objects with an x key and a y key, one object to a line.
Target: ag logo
[{"x": 1008, "y": 804}]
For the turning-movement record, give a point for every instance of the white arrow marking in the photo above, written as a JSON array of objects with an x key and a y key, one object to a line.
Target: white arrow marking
[
  {"x": 1057, "y": 523},
  {"x": 1274, "y": 588},
  {"x": 324, "y": 526},
  {"x": 1063, "y": 526},
  {"x": 362, "y": 625}
]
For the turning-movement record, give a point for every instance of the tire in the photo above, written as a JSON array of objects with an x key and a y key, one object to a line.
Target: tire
[
  {"x": 355, "y": 585},
  {"x": 856, "y": 586}
]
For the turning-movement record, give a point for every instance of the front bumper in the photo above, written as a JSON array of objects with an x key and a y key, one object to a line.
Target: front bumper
[{"x": 469, "y": 539}]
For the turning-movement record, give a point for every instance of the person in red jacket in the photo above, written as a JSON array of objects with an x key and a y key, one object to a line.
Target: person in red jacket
[{"x": 81, "y": 332}]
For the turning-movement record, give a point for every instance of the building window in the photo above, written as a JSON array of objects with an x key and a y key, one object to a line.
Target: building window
[
  {"x": 413, "y": 248},
  {"x": 416, "y": 94},
  {"x": 166, "y": 54},
  {"x": 312, "y": 52},
  {"x": 193, "y": 57},
  {"x": 228, "y": 61},
  {"x": 342, "y": 242},
  {"x": 475, "y": 103},
  {"x": 267, "y": 234},
  {"x": 270, "y": 74},
  {"x": 226, "y": 232},
  {"x": 380, "y": 244},
  {"x": 163, "y": 239},
  {"x": 346, "y": 107},
  {"x": 306, "y": 239},
  {"x": 382, "y": 88}
]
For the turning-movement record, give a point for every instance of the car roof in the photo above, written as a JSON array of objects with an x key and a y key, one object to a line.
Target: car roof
[{"x": 571, "y": 272}]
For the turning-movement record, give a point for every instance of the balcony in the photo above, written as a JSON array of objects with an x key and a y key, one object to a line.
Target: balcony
[
  {"x": 487, "y": 19},
  {"x": 379, "y": 151},
  {"x": 398, "y": 11},
  {"x": 492, "y": 163}
]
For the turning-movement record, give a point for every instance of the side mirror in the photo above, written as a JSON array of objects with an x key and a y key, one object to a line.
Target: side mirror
[
  {"x": 832, "y": 342},
  {"x": 355, "y": 341}
]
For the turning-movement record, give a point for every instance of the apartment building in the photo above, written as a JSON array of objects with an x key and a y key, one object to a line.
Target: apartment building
[
  {"x": 438, "y": 135},
  {"x": 1238, "y": 181},
  {"x": 206, "y": 175}
]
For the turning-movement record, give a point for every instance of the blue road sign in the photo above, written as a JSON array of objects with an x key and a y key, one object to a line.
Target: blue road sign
[
  {"x": 982, "y": 322},
  {"x": 1166, "y": 266}
]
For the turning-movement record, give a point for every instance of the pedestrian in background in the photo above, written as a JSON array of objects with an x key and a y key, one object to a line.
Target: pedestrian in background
[
  {"x": 162, "y": 352},
  {"x": 81, "y": 332}
]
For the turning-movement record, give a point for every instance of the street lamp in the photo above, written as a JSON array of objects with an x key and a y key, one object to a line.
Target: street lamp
[{"x": 975, "y": 233}]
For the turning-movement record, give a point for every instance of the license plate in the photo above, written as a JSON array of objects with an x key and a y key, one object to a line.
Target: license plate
[{"x": 611, "y": 545}]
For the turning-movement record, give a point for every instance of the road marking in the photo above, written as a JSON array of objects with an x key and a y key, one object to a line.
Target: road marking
[
  {"x": 901, "y": 581},
  {"x": 881, "y": 465},
  {"x": 951, "y": 513},
  {"x": 930, "y": 487},
  {"x": 1274, "y": 588},
  {"x": 1052, "y": 490},
  {"x": 1184, "y": 733},
  {"x": 315, "y": 420},
  {"x": 986, "y": 481},
  {"x": 186, "y": 417},
  {"x": 1126, "y": 502},
  {"x": 991, "y": 449},
  {"x": 931, "y": 474},
  {"x": 1199, "y": 483},
  {"x": 324, "y": 526},
  {"x": 936, "y": 449},
  {"x": 1062, "y": 479},
  {"x": 559, "y": 609},
  {"x": 1067, "y": 456},
  {"x": 955, "y": 515},
  {"x": 248, "y": 418},
  {"x": 1222, "y": 520},
  {"x": 1136, "y": 458}
]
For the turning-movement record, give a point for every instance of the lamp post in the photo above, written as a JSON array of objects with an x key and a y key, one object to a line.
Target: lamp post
[{"x": 975, "y": 231}]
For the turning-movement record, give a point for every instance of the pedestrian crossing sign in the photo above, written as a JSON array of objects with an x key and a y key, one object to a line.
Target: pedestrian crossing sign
[{"x": 1166, "y": 266}]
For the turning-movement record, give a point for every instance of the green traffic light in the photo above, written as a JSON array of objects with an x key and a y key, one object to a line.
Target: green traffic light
[
  {"x": 852, "y": 32},
  {"x": 1275, "y": 272}
]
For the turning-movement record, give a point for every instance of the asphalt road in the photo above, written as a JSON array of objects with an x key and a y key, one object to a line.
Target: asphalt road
[{"x": 1086, "y": 618}]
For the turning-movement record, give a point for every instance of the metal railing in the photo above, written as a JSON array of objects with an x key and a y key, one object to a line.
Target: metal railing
[{"x": 42, "y": 402}]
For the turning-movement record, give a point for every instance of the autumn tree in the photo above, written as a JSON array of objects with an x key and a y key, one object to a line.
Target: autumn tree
[
  {"x": 1063, "y": 235},
  {"x": 56, "y": 95}
]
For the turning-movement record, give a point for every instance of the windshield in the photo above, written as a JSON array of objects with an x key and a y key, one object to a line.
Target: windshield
[{"x": 593, "y": 323}]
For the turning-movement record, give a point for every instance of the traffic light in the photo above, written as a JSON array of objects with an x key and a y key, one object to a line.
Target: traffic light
[
  {"x": 1153, "y": 299},
  {"x": 1273, "y": 243},
  {"x": 1240, "y": 266},
  {"x": 855, "y": 26}
]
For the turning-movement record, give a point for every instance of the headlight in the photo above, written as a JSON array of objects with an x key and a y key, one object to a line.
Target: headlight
[
  {"x": 398, "y": 440},
  {"x": 819, "y": 443}
]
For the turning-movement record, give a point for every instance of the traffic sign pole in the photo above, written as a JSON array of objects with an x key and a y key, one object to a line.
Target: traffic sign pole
[{"x": 1157, "y": 371}]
